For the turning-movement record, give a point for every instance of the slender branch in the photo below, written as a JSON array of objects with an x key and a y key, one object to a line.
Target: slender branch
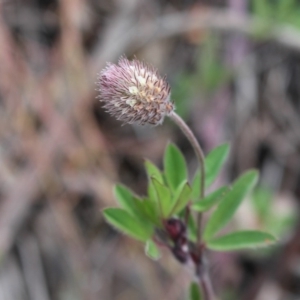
[
  {"x": 200, "y": 156},
  {"x": 201, "y": 271},
  {"x": 206, "y": 287},
  {"x": 204, "y": 280}
]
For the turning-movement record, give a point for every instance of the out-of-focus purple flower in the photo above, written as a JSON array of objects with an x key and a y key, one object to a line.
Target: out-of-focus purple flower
[{"x": 134, "y": 92}]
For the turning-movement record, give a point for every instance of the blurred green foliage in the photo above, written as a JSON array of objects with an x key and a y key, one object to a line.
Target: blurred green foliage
[
  {"x": 279, "y": 220},
  {"x": 278, "y": 11},
  {"x": 208, "y": 75}
]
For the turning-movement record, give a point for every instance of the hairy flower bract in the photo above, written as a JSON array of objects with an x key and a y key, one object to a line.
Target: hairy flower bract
[{"x": 134, "y": 92}]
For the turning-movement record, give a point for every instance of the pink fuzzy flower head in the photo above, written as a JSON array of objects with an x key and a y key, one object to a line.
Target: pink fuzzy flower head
[{"x": 134, "y": 92}]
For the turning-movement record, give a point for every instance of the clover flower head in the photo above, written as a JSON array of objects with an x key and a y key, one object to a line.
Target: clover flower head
[{"x": 134, "y": 92}]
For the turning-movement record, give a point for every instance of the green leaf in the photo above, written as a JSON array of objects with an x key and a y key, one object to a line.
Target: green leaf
[
  {"x": 148, "y": 211},
  {"x": 182, "y": 197},
  {"x": 210, "y": 200},
  {"x": 125, "y": 198},
  {"x": 194, "y": 292},
  {"x": 138, "y": 208},
  {"x": 126, "y": 223},
  {"x": 241, "y": 240},
  {"x": 214, "y": 162},
  {"x": 226, "y": 209},
  {"x": 153, "y": 171},
  {"x": 164, "y": 201},
  {"x": 151, "y": 250},
  {"x": 174, "y": 167}
]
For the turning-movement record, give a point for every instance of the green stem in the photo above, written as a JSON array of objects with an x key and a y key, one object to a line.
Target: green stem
[
  {"x": 200, "y": 156},
  {"x": 201, "y": 270}
]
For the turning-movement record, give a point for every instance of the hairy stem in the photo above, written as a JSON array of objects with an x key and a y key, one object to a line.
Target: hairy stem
[
  {"x": 201, "y": 271},
  {"x": 200, "y": 156},
  {"x": 206, "y": 286}
]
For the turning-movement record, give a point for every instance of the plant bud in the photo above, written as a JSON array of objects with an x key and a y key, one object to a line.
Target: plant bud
[
  {"x": 176, "y": 229},
  {"x": 134, "y": 92}
]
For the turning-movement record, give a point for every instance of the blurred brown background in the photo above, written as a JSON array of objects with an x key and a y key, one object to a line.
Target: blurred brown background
[{"x": 234, "y": 68}]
